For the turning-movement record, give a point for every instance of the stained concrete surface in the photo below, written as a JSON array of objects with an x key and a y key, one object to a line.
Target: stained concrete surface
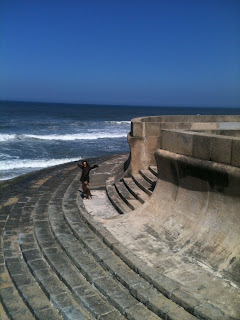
[{"x": 158, "y": 233}]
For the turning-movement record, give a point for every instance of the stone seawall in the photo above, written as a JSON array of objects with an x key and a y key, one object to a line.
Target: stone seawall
[
  {"x": 197, "y": 195},
  {"x": 160, "y": 238},
  {"x": 197, "y": 208},
  {"x": 192, "y": 219},
  {"x": 214, "y": 138}
]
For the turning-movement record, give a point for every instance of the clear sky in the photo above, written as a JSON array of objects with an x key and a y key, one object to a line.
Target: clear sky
[{"x": 163, "y": 52}]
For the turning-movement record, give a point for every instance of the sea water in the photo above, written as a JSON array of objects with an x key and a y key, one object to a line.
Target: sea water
[{"x": 39, "y": 135}]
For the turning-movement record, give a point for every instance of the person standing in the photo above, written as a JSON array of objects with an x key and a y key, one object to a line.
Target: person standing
[{"x": 86, "y": 168}]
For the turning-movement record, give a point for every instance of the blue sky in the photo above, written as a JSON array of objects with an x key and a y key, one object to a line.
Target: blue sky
[{"x": 165, "y": 52}]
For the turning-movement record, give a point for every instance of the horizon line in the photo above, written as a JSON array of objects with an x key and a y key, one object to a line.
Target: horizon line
[{"x": 119, "y": 105}]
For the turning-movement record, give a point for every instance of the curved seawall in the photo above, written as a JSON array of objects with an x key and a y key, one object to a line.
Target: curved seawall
[
  {"x": 185, "y": 171},
  {"x": 197, "y": 205},
  {"x": 173, "y": 251}
]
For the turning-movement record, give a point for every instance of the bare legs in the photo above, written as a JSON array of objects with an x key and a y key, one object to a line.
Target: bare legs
[{"x": 86, "y": 190}]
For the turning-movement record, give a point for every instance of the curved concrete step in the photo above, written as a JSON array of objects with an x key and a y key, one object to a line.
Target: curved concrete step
[
  {"x": 116, "y": 200},
  {"x": 25, "y": 282},
  {"x": 92, "y": 302},
  {"x": 149, "y": 176},
  {"x": 154, "y": 170},
  {"x": 76, "y": 288},
  {"x": 3, "y": 313},
  {"x": 46, "y": 274},
  {"x": 143, "y": 183},
  {"x": 92, "y": 270},
  {"x": 137, "y": 192},
  {"x": 59, "y": 248},
  {"x": 12, "y": 305},
  {"x": 58, "y": 253},
  {"x": 126, "y": 196},
  {"x": 163, "y": 284},
  {"x": 30, "y": 292},
  {"x": 141, "y": 289}
]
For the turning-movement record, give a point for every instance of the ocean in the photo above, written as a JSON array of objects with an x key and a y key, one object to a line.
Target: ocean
[{"x": 38, "y": 135}]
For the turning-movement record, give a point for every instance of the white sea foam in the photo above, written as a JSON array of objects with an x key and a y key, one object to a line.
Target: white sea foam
[
  {"x": 118, "y": 122},
  {"x": 7, "y": 156},
  {"x": 8, "y": 177},
  {"x": 76, "y": 136},
  {"x": 6, "y": 137},
  {"x": 31, "y": 163},
  {"x": 64, "y": 137}
]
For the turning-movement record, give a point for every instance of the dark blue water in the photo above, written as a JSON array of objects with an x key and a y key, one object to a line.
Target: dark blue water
[{"x": 37, "y": 135}]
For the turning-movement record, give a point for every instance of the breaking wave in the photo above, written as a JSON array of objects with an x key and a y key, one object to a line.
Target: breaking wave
[
  {"x": 64, "y": 137},
  {"x": 6, "y": 137},
  {"x": 118, "y": 122},
  {"x": 76, "y": 136},
  {"x": 30, "y": 163}
]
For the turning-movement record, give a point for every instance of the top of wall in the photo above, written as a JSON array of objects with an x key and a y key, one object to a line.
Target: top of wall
[
  {"x": 189, "y": 118},
  {"x": 212, "y": 137},
  {"x": 152, "y": 126}
]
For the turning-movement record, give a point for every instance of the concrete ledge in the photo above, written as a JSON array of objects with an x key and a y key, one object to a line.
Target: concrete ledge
[
  {"x": 212, "y": 147},
  {"x": 150, "y": 133},
  {"x": 149, "y": 126}
]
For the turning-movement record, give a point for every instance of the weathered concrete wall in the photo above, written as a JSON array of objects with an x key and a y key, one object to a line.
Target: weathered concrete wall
[
  {"x": 191, "y": 222},
  {"x": 230, "y": 133},
  {"x": 147, "y": 134},
  {"x": 197, "y": 197},
  {"x": 196, "y": 205},
  {"x": 142, "y": 151},
  {"x": 189, "y": 118},
  {"x": 212, "y": 147}
]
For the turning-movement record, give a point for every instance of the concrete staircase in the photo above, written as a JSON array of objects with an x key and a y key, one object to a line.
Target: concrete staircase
[
  {"x": 56, "y": 262},
  {"x": 129, "y": 193}
]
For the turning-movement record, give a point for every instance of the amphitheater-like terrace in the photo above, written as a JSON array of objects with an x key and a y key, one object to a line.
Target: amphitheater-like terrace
[{"x": 159, "y": 240}]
